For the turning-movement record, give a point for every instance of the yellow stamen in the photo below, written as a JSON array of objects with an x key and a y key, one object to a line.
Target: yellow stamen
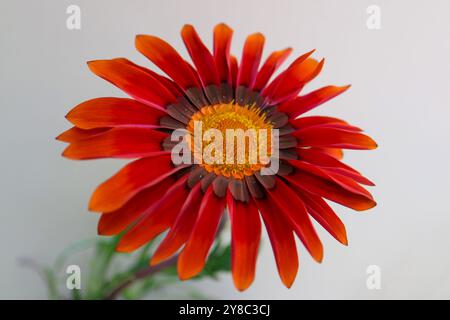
[{"x": 240, "y": 119}]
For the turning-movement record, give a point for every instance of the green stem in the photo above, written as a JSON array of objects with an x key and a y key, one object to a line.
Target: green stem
[{"x": 141, "y": 274}]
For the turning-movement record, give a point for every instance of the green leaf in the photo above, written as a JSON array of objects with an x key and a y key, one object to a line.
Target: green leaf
[{"x": 219, "y": 261}]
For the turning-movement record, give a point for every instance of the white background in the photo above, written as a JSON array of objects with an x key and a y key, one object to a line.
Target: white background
[{"x": 400, "y": 94}]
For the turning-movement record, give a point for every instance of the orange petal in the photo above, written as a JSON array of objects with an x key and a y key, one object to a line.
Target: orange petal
[
  {"x": 169, "y": 84},
  {"x": 295, "y": 211},
  {"x": 333, "y": 152},
  {"x": 155, "y": 220},
  {"x": 234, "y": 70},
  {"x": 113, "y": 112},
  {"x": 76, "y": 134},
  {"x": 251, "y": 57},
  {"x": 333, "y": 137},
  {"x": 302, "y": 104},
  {"x": 180, "y": 231},
  {"x": 311, "y": 121},
  {"x": 114, "y": 222},
  {"x": 323, "y": 214},
  {"x": 134, "y": 81},
  {"x": 357, "y": 177},
  {"x": 117, "y": 143},
  {"x": 347, "y": 182},
  {"x": 202, "y": 58},
  {"x": 193, "y": 257},
  {"x": 320, "y": 158},
  {"x": 222, "y": 42},
  {"x": 245, "y": 237},
  {"x": 316, "y": 181},
  {"x": 167, "y": 59},
  {"x": 294, "y": 79},
  {"x": 272, "y": 63},
  {"x": 331, "y": 165},
  {"x": 282, "y": 240},
  {"x": 341, "y": 180},
  {"x": 269, "y": 91},
  {"x": 134, "y": 177}
]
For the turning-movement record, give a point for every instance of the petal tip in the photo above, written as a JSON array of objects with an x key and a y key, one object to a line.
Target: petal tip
[
  {"x": 156, "y": 259},
  {"x": 242, "y": 284},
  {"x": 185, "y": 270},
  {"x": 66, "y": 152},
  {"x": 319, "y": 257},
  {"x": 58, "y": 137},
  {"x": 121, "y": 247},
  {"x": 137, "y": 39},
  {"x": 223, "y": 25},
  {"x": 183, "y": 276},
  {"x": 93, "y": 64},
  {"x": 368, "y": 206},
  {"x": 241, "y": 288},
  {"x": 288, "y": 282},
  {"x": 94, "y": 205},
  {"x": 187, "y": 26},
  {"x": 257, "y": 35}
]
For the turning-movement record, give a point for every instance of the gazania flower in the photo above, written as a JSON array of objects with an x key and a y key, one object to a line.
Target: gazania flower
[{"x": 151, "y": 194}]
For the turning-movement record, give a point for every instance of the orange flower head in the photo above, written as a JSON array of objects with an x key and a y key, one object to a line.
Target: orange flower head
[{"x": 209, "y": 102}]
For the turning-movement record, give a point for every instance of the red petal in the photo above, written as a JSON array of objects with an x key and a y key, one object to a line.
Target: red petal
[
  {"x": 340, "y": 126},
  {"x": 251, "y": 57},
  {"x": 333, "y": 152},
  {"x": 290, "y": 82},
  {"x": 167, "y": 59},
  {"x": 157, "y": 219},
  {"x": 245, "y": 237},
  {"x": 222, "y": 42},
  {"x": 347, "y": 183},
  {"x": 112, "y": 223},
  {"x": 193, "y": 257},
  {"x": 323, "y": 122},
  {"x": 311, "y": 121},
  {"x": 134, "y": 177},
  {"x": 282, "y": 240},
  {"x": 134, "y": 81},
  {"x": 319, "y": 158},
  {"x": 76, "y": 134},
  {"x": 180, "y": 231},
  {"x": 339, "y": 179},
  {"x": 295, "y": 211},
  {"x": 331, "y": 165},
  {"x": 333, "y": 137},
  {"x": 117, "y": 143},
  {"x": 234, "y": 70},
  {"x": 272, "y": 63},
  {"x": 324, "y": 215},
  {"x": 169, "y": 84},
  {"x": 317, "y": 181},
  {"x": 113, "y": 112},
  {"x": 302, "y": 104},
  {"x": 202, "y": 58},
  {"x": 272, "y": 87},
  {"x": 357, "y": 177}
]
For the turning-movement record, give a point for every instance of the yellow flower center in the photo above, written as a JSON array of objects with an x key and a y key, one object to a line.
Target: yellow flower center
[{"x": 230, "y": 140}]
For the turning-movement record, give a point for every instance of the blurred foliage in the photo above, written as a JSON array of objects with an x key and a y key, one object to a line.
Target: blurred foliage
[{"x": 105, "y": 271}]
